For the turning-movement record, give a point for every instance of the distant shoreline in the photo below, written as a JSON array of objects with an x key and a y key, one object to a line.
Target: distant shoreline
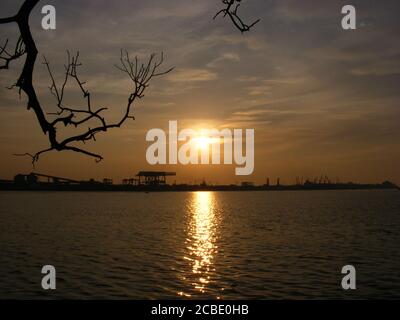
[{"x": 88, "y": 187}]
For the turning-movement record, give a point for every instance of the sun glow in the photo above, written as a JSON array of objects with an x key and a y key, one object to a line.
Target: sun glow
[{"x": 203, "y": 142}]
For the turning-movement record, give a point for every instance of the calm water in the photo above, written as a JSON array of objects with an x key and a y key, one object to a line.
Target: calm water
[{"x": 267, "y": 245}]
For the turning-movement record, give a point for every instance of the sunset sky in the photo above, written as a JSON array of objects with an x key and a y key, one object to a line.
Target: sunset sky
[{"x": 322, "y": 101}]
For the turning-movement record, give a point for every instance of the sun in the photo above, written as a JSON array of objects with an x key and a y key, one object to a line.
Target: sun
[{"x": 203, "y": 142}]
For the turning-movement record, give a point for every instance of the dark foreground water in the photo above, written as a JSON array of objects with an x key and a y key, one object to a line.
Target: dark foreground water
[{"x": 264, "y": 245}]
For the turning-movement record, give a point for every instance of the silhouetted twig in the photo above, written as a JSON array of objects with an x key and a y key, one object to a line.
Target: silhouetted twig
[
  {"x": 7, "y": 57},
  {"x": 231, "y": 10}
]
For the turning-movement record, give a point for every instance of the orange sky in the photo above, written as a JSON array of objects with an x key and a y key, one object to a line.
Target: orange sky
[{"x": 322, "y": 101}]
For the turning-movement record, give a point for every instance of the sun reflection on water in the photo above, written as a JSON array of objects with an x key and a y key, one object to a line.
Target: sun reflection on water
[{"x": 201, "y": 240}]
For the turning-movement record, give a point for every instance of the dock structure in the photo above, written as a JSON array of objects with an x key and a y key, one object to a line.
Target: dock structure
[
  {"x": 53, "y": 179},
  {"x": 152, "y": 178},
  {"x": 33, "y": 178},
  {"x": 130, "y": 182}
]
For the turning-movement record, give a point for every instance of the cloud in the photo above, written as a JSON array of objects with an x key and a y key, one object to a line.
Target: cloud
[
  {"x": 192, "y": 75},
  {"x": 265, "y": 87},
  {"x": 261, "y": 89},
  {"x": 381, "y": 68},
  {"x": 247, "y": 79},
  {"x": 225, "y": 57},
  {"x": 307, "y": 9},
  {"x": 177, "y": 9}
]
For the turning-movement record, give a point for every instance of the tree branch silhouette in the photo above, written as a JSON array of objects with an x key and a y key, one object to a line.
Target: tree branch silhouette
[
  {"x": 231, "y": 10},
  {"x": 140, "y": 74}
]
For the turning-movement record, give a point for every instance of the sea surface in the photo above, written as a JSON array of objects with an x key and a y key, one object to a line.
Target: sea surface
[{"x": 200, "y": 245}]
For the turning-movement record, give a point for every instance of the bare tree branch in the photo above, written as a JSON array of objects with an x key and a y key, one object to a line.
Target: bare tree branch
[
  {"x": 231, "y": 10},
  {"x": 140, "y": 74},
  {"x": 7, "y": 57},
  {"x": 8, "y": 20},
  {"x": 34, "y": 157}
]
